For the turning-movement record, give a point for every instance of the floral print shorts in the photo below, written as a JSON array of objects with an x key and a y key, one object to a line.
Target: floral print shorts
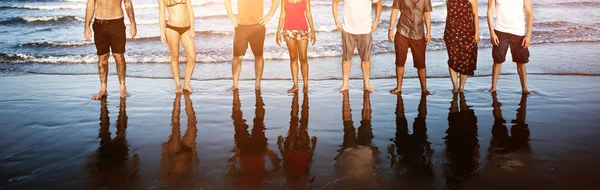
[{"x": 295, "y": 35}]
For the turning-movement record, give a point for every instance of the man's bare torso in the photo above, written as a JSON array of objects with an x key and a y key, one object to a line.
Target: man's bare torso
[{"x": 109, "y": 9}]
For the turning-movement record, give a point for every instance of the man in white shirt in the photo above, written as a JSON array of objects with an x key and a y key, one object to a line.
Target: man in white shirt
[
  {"x": 356, "y": 33},
  {"x": 512, "y": 28}
]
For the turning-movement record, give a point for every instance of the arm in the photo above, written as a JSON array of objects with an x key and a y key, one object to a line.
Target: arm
[
  {"x": 161, "y": 20},
  {"x": 267, "y": 18},
  {"x": 131, "y": 15},
  {"x": 313, "y": 37},
  {"x": 393, "y": 19},
  {"x": 529, "y": 22},
  {"x": 377, "y": 15},
  {"x": 427, "y": 16},
  {"x": 280, "y": 25},
  {"x": 334, "y": 7},
  {"x": 234, "y": 21},
  {"x": 191, "y": 15},
  {"x": 490, "y": 20},
  {"x": 89, "y": 13},
  {"x": 475, "y": 8}
]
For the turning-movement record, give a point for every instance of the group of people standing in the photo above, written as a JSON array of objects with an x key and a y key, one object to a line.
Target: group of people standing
[{"x": 511, "y": 29}]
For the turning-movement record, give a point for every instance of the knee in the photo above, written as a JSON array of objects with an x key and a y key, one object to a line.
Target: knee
[
  {"x": 237, "y": 58},
  {"x": 293, "y": 58},
  {"x": 118, "y": 56},
  {"x": 174, "y": 55},
  {"x": 303, "y": 59},
  {"x": 103, "y": 59}
]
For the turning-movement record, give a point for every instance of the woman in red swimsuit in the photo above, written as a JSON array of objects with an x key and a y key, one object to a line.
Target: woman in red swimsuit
[
  {"x": 179, "y": 27},
  {"x": 295, "y": 19}
]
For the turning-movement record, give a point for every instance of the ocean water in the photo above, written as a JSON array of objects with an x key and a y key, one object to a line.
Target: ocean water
[{"x": 51, "y": 32}]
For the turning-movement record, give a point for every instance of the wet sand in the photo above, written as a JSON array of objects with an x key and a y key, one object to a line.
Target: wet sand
[{"x": 54, "y": 136}]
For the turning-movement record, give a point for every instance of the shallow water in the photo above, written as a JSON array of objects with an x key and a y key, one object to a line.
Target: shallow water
[{"x": 58, "y": 138}]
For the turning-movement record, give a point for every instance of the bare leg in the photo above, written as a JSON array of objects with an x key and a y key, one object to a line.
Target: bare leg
[
  {"x": 236, "y": 68},
  {"x": 259, "y": 65},
  {"x": 302, "y": 52},
  {"x": 190, "y": 49},
  {"x": 399, "y": 78},
  {"x": 454, "y": 79},
  {"x": 122, "y": 72},
  {"x": 366, "y": 69},
  {"x": 463, "y": 80},
  {"x": 346, "y": 65},
  {"x": 423, "y": 79},
  {"x": 522, "y": 70},
  {"x": 293, "y": 50},
  {"x": 495, "y": 73},
  {"x": 173, "y": 39},
  {"x": 103, "y": 73}
]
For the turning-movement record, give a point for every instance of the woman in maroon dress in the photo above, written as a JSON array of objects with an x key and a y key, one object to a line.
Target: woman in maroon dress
[{"x": 461, "y": 36}]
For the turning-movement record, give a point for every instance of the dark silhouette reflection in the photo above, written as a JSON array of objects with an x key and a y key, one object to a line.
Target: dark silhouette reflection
[
  {"x": 250, "y": 151},
  {"x": 462, "y": 145},
  {"x": 501, "y": 143},
  {"x": 357, "y": 154},
  {"x": 297, "y": 148},
  {"x": 179, "y": 158},
  {"x": 111, "y": 166},
  {"x": 414, "y": 151}
]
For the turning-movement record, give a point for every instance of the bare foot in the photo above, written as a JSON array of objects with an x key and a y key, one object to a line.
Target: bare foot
[
  {"x": 343, "y": 88},
  {"x": 293, "y": 89},
  {"x": 525, "y": 91},
  {"x": 454, "y": 90},
  {"x": 178, "y": 90},
  {"x": 425, "y": 92},
  {"x": 396, "y": 90},
  {"x": 232, "y": 88},
  {"x": 370, "y": 89},
  {"x": 305, "y": 89},
  {"x": 101, "y": 94},
  {"x": 492, "y": 90},
  {"x": 188, "y": 89},
  {"x": 123, "y": 91},
  {"x": 257, "y": 86}
]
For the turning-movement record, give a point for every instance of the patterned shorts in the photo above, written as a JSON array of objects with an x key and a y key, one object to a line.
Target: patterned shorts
[{"x": 295, "y": 35}]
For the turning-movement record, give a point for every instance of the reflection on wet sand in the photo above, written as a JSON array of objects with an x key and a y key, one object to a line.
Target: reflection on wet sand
[
  {"x": 297, "y": 148},
  {"x": 179, "y": 158},
  {"x": 111, "y": 166},
  {"x": 357, "y": 156},
  {"x": 502, "y": 146},
  {"x": 247, "y": 166},
  {"x": 414, "y": 151},
  {"x": 462, "y": 145}
]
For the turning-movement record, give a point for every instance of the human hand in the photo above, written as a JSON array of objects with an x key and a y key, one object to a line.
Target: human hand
[
  {"x": 476, "y": 38},
  {"x": 313, "y": 38},
  {"x": 278, "y": 38},
  {"x": 265, "y": 20},
  {"x": 526, "y": 41},
  {"x": 391, "y": 35},
  {"x": 494, "y": 39},
  {"x": 427, "y": 38},
  {"x": 374, "y": 26},
  {"x": 192, "y": 33},
  {"x": 340, "y": 26},
  {"x": 87, "y": 33},
  {"x": 163, "y": 38},
  {"x": 234, "y": 22},
  {"x": 132, "y": 30}
]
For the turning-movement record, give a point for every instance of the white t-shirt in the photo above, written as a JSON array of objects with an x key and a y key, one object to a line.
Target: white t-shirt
[
  {"x": 510, "y": 17},
  {"x": 357, "y": 16}
]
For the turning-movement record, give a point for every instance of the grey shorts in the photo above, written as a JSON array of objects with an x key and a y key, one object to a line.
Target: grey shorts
[{"x": 363, "y": 42}]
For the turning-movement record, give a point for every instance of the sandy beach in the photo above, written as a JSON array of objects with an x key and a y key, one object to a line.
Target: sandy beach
[{"x": 53, "y": 136}]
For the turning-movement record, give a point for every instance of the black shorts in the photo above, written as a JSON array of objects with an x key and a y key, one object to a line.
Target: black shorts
[
  {"x": 249, "y": 34},
  {"x": 519, "y": 54},
  {"x": 109, "y": 35}
]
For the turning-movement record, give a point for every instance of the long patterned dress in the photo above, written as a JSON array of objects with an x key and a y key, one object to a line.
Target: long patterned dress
[{"x": 458, "y": 35}]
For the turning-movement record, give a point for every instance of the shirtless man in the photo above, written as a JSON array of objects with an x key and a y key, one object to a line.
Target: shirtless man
[
  {"x": 249, "y": 26},
  {"x": 109, "y": 30}
]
